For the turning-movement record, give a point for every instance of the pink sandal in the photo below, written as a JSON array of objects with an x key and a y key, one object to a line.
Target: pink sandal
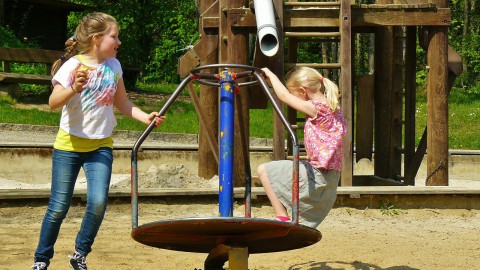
[{"x": 283, "y": 219}]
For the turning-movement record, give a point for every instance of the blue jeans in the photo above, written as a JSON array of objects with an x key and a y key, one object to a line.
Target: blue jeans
[{"x": 97, "y": 166}]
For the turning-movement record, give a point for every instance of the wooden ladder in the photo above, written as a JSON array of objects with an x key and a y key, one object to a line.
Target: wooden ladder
[{"x": 341, "y": 35}]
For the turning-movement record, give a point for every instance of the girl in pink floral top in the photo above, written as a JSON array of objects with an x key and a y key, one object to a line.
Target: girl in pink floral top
[{"x": 307, "y": 91}]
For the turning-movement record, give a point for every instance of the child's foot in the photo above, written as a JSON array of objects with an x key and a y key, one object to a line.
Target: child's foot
[
  {"x": 283, "y": 219},
  {"x": 78, "y": 261},
  {"x": 39, "y": 266}
]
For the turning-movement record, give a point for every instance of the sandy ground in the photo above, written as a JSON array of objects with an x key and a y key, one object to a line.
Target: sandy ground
[{"x": 352, "y": 238}]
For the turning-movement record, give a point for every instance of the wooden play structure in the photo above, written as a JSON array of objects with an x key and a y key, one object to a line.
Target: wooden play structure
[{"x": 383, "y": 126}]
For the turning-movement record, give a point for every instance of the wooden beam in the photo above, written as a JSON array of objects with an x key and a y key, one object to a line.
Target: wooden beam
[
  {"x": 258, "y": 99},
  {"x": 311, "y": 18},
  {"x": 292, "y": 113},
  {"x": 410, "y": 105},
  {"x": 211, "y": 138},
  {"x": 383, "y": 92},
  {"x": 311, "y": 4},
  {"x": 236, "y": 46},
  {"x": 195, "y": 55},
  {"x": 412, "y": 2},
  {"x": 346, "y": 91},
  {"x": 437, "y": 108},
  {"x": 25, "y": 55},
  {"x": 361, "y": 16},
  {"x": 195, "y": 193},
  {"x": 364, "y": 119},
  {"x": 397, "y": 6},
  {"x": 279, "y": 69},
  {"x": 207, "y": 44},
  {"x": 207, "y": 52},
  {"x": 401, "y": 17},
  {"x": 396, "y": 118}
]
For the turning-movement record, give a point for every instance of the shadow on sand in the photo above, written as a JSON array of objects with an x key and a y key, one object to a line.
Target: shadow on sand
[{"x": 338, "y": 265}]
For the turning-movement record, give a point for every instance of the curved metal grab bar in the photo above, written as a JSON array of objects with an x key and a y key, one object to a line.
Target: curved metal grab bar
[{"x": 195, "y": 75}]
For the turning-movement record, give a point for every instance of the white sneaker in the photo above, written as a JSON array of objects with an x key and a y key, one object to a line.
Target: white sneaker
[{"x": 39, "y": 266}]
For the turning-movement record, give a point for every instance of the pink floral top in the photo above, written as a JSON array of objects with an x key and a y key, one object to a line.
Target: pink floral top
[{"x": 323, "y": 137}]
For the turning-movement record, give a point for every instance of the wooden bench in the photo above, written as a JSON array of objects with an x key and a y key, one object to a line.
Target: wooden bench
[
  {"x": 16, "y": 55},
  {"x": 9, "y": 81}
]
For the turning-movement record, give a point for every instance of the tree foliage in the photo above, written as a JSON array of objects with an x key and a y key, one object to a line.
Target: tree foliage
[
  {"x": 153, "y": 33},
  {"x": 464, "y": 37}
]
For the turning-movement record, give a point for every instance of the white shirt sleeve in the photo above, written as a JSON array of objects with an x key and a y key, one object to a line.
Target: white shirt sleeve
[{"x": 64, "y": 75}]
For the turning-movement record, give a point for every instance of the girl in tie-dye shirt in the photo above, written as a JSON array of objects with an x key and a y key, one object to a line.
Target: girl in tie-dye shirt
[
  {"x": 86, "y": 87},
  {"x": 307, "y": 91}
]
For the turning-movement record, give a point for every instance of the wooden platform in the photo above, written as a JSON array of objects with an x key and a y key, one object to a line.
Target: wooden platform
[
  {"x": 357, "y": 197},
  {"x": 311, "y": 16}
]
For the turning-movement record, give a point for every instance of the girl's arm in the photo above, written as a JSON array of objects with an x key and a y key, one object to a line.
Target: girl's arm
[
  {"x": 301, "y": 105},
  {"x": 126, "y": 107},
  {"x": 60, "y": 95}
]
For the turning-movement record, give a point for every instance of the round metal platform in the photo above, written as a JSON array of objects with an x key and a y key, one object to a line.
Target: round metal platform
[{"x": 202, "y": 235}]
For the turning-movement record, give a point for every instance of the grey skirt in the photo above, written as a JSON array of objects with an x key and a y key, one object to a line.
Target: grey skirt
[{"x": 317, "y": 189}]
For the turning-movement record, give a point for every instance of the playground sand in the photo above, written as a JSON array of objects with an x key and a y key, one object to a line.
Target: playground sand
[
  {"x": 392, "y": 239},
  {"x": 352, "y": 238}
]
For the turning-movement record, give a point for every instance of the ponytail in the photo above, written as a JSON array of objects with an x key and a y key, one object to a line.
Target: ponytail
[
  {"x": 332, "y": 94},
  {"x": 70, "y": 51}
]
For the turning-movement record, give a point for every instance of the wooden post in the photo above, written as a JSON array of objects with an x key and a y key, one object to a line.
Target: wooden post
[
  {"x": 278, "y": 127},
  {"x": 292, "y": 113},
  {"x": 209, "y": 103},
  {"x": 236, "y": 43},
  {"x": 437, "y": 105},
  {"x": 346, "y": 90},
  {"x": 396, "y": 118},
  {"x": 410, "y": 104},
  {"x": 454, "y": 70},
  {"x": 383, "y": 92},
  {"x": 364, "y": 118},
  {"x": 276, "y": 65}
]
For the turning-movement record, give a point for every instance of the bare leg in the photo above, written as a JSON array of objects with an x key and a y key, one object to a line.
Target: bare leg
[{"x": 276, "y": 204}]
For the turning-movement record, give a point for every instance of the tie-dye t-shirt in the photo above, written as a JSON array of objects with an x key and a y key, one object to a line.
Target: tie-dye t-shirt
[
  {"x": 323, "y": 137},
  {"x": 90, "y": 113}
]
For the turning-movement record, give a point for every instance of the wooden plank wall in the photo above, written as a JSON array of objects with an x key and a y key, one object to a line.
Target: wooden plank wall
[
  {"x": 208, "y": 97},
  {"x": 364, "y": 117},
  {"x": 346, "y": 90},
  {"x": 278, "y": 128},
  {"x": 236, "y": 46},
  {"x": 437, "y": 111},
  {"x": 395, "y": 147},
  {"x": 383, "y": 91},
  {"x": 410, "y": 104}
]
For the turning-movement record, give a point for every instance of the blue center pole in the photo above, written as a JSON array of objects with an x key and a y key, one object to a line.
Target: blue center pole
[{"x": 226, "y": 139}]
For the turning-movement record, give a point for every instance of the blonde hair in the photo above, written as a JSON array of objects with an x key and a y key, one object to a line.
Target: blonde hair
[
  {"x": 95, "y": 23},
  {"x": 312, "y": 79}
]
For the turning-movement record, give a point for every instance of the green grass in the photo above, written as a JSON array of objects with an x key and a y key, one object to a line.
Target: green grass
[
  {"x": 463, "y": 119},
  {"x": 464, "y": 116},
  {"x": 10, "y": 114},
  {"x": 181, "y": 116}
]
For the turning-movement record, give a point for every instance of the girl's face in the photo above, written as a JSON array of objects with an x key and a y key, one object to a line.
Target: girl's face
[{"x": 109, "y": 43}]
